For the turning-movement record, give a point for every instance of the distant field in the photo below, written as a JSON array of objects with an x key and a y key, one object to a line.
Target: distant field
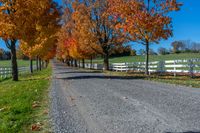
[
  {"x": 21, "y": 63},
  {"x": 152, "y": 58}
]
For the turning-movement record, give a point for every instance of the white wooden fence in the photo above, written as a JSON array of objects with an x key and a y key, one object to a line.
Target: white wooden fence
[
  {"x": 6, "y": 72},
  {"x": 191, "y": 66}
]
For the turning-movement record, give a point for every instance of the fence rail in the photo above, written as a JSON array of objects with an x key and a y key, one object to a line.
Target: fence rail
[
  {"x": 191, "y": 66},
  {"x": 6, "y": 72}
]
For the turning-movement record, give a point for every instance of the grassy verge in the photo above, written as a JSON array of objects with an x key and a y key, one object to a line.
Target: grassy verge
[
  {"x": 24, "y": 104},
  {"x": 178, "y": 80}
]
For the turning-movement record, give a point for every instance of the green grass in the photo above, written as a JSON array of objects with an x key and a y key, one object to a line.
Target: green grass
[
  {"x": 17, "y": 113},
  {"x": 179, "y": 80},
  {"x": 21, "y": 63},
  {"x": 170, "y": 79},
  {"x": 152, "y": 58}
]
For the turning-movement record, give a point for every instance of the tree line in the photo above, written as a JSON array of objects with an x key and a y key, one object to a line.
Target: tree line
[
  {"x": 99, "y": 27},
  {"x": 86, "y": 29},
  {"x": 33, "y": 26},
  {"x": 183, "y": 46}
]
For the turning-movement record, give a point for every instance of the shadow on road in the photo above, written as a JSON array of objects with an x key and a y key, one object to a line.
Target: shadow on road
[
  {"x": 80, "y": 72},
  {"x": 185, "y": 132},
  {"x": 100, "y": 77}
]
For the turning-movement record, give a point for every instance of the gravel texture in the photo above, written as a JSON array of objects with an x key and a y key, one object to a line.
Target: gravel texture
[{"x": 90, "y": 102}]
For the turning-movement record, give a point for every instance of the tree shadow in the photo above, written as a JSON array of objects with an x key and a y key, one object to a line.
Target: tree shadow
[
  {"x": 185, "y": 132},
  {"x": 101, "y": 77},
  {"x": 32, "y": 79},
  {"x": 4, "y": 79},
  {"x": 176, "y": 78},
  {"x": 79, "y": 72}
]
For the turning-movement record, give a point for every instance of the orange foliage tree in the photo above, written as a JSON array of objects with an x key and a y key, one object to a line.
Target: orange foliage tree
[
  {"x": 74, "y": 39},
  {"x": 11, "y": 20},
  {"x": 144, "y": 21},
  {"x": 18, "y": 20},
  {"x": 40, "y": 42},
  {"x": 93, "y": 29}
]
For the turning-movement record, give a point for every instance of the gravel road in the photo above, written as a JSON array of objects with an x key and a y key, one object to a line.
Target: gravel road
[{"x": 90, "y": 102}]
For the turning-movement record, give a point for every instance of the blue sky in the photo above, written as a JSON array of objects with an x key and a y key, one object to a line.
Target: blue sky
[{"x": 186, "y": 25}]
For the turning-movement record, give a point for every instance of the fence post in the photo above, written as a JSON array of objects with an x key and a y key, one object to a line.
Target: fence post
[
  {"x": 5, "y": 73},
  {"x": 191, "y": 67},
  {"x": 1, "y": 72},
  {"x": 161, "y": 67},
  {"x": 174, "y": 68},
  {"x": 149, "y": 68}
]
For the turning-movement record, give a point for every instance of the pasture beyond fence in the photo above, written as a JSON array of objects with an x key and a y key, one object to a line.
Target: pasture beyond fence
[
  {"x": 190, "y": 66},
  {"x": 6, "y": 72}
]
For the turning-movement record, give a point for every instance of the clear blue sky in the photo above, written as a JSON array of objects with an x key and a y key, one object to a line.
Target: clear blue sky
[{"x": 186, "y": 25}]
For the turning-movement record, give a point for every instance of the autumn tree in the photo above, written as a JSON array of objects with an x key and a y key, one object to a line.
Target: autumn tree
[
  {"x": 20, "y": 55},
  {"x": 24, "y": 20},
  {"x": 40, "y": 37},
  {"x": 75, "y": 39},
  {"x": 11, "y": 20},
  {"x": 93, "y": 29},
  {"x": 62, "y": 52},
  {"x": 144, "y": 21},
  {"x": 108, "y": 39},
  {"x": 13, "y": 15},
  {"x": 86, "y": 40}
]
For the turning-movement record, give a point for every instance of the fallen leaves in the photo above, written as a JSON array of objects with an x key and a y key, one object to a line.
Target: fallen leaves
[
  {"x": 36, "y": 127},
  {"x": 35, "y": 104},
  {"x": 2, "y": 109},
  {"x": 45, "y": 112}
]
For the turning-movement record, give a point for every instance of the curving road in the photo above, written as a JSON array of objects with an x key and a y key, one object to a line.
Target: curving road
[{"x": 90, "y": 102}]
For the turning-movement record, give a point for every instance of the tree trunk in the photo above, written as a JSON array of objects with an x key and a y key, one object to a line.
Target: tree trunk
[
  {"x": 83, "y": 62},
  {"x": 147, "y": 59},
  {"x": 14, "y": 60},
  {"x": 40, "y": 64},
  {"x": 71, "y": 63},
  {"x": 75, "y": 63},
  {"x": 68, "y": 63},
  {"x": 79, "y": 63},
  {"x": 37, "y": 65},
  {"x": 46, "y": 63},
  {"x": 31, "y": 65},
  {"x": 91, "y": 63},
  {"x": 43, "y": 64},
  {"x": 106, "y": 62}
]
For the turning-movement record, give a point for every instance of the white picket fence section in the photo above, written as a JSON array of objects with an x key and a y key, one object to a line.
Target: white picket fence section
[
  {"x": 191, "y": 66},
  {"x": 6, "y": 72}
]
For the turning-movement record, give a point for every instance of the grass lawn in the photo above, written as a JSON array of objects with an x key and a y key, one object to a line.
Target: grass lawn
[
  {"x": 21, "y": 63},
  {"x": 178, "y": 80},
  {"x": 24, "y": 104},
  {"x": 152, "y": 58}
]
